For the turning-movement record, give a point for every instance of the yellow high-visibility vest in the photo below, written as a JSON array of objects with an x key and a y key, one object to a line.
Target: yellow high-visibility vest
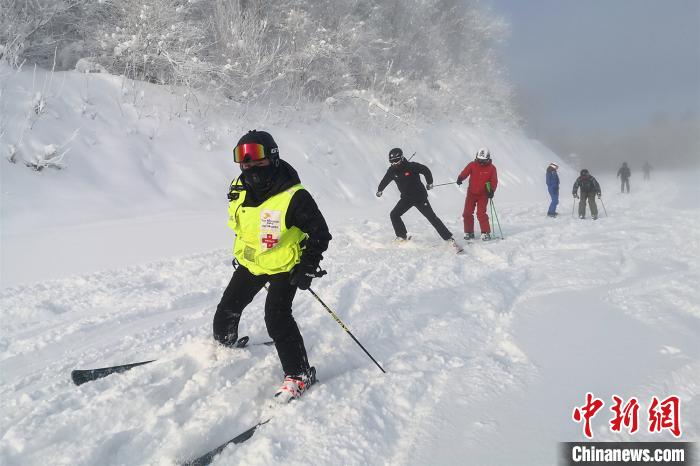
[{"x": 264, "y": 244}]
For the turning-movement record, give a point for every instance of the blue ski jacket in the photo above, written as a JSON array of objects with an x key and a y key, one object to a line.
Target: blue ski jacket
[{"x": 552, "y": 179}]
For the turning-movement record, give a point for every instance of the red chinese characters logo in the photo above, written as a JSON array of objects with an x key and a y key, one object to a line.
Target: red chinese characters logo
[
  {"x": 586, "y": 412},
  {"x": 663, "y": 414},
  {"x": 627, "y": 416}
]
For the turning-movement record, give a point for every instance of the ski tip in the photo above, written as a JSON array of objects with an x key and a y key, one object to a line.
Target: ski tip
[{"x": 79, "y": 377}]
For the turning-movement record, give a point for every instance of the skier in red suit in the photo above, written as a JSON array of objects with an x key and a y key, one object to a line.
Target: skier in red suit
[{"x": 483, "y": 181}]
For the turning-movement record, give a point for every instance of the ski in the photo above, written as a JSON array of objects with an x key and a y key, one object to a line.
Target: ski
[
  {"x": 267, "y": 414},
  {"x": 474, "y": 241},
  {"x": 81, "y": 376},
  {"x": 207, "y": 458}
]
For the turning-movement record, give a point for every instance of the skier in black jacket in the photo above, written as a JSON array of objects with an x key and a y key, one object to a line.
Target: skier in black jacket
[
  {"x": 589, "y": 189},
  {"x": 413, "y": 194},
  {"x": 624, "y": 174},
  {"x": 280, "y": 238}
]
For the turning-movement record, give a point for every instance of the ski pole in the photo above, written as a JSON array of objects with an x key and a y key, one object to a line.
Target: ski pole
[
  {"x": 493, "y": 209},
  {"x": 496, "y": 216},
  {"x": 488, "y": 190},
  {"x": 603, "y": 204},
  {"x": 342, "y": 325},
  {"x": 573, "y": 204},
  {"x": 320, "y": 273},
  {"x": 444, "y": 184},
  {"x": 409, "y": 159}
]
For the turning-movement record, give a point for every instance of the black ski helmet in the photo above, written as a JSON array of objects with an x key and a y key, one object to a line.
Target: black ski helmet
[
  {"x": 265, "y": 139},
  {"x": 395, "y": 155},
  {"x": 584, "y": 172}
]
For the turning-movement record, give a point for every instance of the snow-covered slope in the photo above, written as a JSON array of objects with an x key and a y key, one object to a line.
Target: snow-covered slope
[
  {"x": 487, "y": 353},
  {"x": 135, "y": 157}
]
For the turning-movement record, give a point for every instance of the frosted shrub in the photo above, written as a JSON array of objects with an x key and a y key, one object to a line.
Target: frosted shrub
[
  {"x": 422, "y": 59},
  {"x": 38, "y": 103},
  {"x": 47, "y": 157}
]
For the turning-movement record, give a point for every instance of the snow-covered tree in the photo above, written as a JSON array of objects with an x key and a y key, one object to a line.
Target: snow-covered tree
[{"x": 407, "y": 58}]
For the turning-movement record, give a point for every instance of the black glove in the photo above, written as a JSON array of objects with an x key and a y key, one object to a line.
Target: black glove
[
  {"x": 301, "y": 275},
  {"x": 379, "y": 193},
  {"x": 459, "y": 182},
  {"x": 598, "y": 195},
  {"x": 429, "y": 186},
  {"x": 490, "y": 194},
  {"x": 575, "y": 195}
]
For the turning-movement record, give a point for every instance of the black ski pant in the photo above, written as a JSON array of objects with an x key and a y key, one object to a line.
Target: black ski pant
[
  {"x": 279, "y": 321},
  {"x": 625, "y": 182},
  {"x": 424, "y": 208},
  {"x": 590, "y": 197}
]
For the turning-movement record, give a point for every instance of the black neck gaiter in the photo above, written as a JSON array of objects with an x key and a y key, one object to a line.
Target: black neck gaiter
[{"x": 259, "y": 179}]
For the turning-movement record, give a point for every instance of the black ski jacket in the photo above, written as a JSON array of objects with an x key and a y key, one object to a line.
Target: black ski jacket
[
  {"x": 624, "y": 172},
  {"x": 302, "y": 213},
  {"x": 588, "y": 184},
  {"x": 407, "y": 177}
]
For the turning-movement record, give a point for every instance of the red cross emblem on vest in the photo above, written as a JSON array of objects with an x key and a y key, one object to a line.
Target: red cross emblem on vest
[{"x": 269, "y": 241}]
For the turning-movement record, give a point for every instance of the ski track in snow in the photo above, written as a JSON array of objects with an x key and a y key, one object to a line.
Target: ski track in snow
[{"x": 441, "y": 324}]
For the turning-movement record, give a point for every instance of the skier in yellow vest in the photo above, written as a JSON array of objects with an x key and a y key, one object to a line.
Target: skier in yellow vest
[{"x": 280, "y": 238}]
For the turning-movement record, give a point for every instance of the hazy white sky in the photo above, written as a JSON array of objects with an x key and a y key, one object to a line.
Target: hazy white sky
[{"x": 602, "y": 66}]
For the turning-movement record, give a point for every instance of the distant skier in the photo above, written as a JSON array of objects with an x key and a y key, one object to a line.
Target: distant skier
[
  {"x": 483, "y": 180},
  {"x": 589, "y": 189},
  {"x": 280, "y": 238},
  {"x": 624, "y": 174},
  {"x": 552, "y": 179},
  {"x": 647, "y": 170},
  {"x": 413, "y": 194}
]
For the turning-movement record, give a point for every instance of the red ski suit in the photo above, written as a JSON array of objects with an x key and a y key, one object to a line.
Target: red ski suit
[{"x": 477, "y": 195}]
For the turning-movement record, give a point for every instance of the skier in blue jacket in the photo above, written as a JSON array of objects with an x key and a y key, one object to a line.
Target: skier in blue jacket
[{"x": 553, "y": 188}]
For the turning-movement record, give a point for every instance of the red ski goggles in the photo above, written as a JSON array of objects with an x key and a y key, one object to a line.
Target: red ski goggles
[{"x": 248, "y": 152}]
